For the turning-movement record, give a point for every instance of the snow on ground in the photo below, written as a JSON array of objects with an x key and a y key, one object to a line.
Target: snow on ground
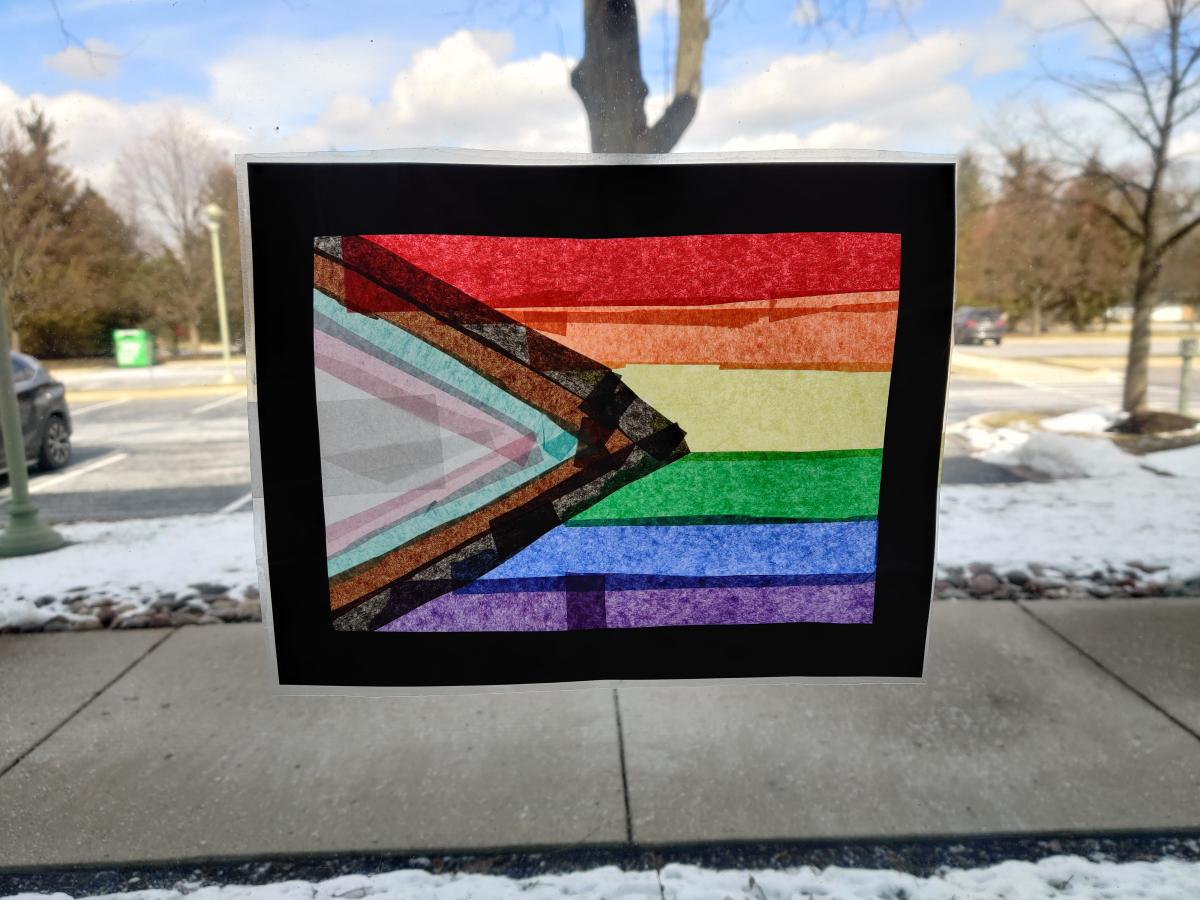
[
  {"x": 1071, "y": 456},
  {"x": 1104, "y": 506},
  {"x": 1095, "y": 420},
  {"x": 1079, "y": 524},
  {"x": 132, "y": 561},
  {"x": 1048, "y": 879},
  {"x": 1182, "y": 463},
  {"x": 1055, "y": 453}
]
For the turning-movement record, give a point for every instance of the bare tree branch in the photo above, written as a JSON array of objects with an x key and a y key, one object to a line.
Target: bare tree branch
[
  {"x": 1175, "y": 237},
  {"x": 1127, "y": 59},
  {"x": 70, "y": 40},
  {"x": 851, "y": 17},
  {"x": 1097, "y": 97},
  {"x": 1160, "y": 65}
]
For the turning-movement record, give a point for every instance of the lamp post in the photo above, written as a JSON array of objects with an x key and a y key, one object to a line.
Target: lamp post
[
  {"x": 1187, "y": 350},
  {"x": 26, "y": 533},
  {"x": 213, "y": 215}
]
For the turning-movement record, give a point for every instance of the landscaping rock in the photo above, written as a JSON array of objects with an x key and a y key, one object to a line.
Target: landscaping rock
[
  {"x": 982, "y": 583},
  {"x": 1019, "y": 577},
  {"x": 209, "y": 588}
]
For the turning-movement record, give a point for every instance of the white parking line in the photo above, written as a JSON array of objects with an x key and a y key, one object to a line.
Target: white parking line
[
  {"x": 104, "y": 404},
  {"x": 221, "y": 401},
  {"x": 236, "y": 504},
  {"x": 44, "y": 484}
]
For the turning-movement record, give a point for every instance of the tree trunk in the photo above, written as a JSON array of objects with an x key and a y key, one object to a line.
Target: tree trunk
[
  {"x": 1138, "y": 362},
  {"x": 1035, "y": 309},
  {"x": 609, "y": 81},
  {"x": 194, "y": 337}
]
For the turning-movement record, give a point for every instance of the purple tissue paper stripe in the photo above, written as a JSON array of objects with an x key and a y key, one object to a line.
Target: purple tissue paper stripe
[
  {"x": 840, "y": 603},
  {"x": 561, "y": 610},
  {"x": 532, "y": 611}
]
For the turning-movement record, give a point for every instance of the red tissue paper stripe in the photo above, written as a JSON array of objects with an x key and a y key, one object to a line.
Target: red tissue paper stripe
[{"x": 509, "y": 272}]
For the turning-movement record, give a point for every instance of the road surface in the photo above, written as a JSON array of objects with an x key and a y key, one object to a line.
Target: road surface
[
  {"x": 1091, "y": 344},
  {"x": 1004, "y": 378}
]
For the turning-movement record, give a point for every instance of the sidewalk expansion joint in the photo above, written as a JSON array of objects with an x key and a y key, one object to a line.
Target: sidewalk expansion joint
[
  {"x": 624, "y": 771},
  {"x": 1141, "y": 695},
  {"x": 86, "y": 703}
]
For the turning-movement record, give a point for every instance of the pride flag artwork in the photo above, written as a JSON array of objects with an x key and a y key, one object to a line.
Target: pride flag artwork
[
  {"x": 534, "y": 419},
  {"x": 550, "y": 434}
]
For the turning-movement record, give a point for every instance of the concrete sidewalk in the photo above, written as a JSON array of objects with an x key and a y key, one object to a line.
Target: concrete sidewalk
[{"x": 160, "y": 745}]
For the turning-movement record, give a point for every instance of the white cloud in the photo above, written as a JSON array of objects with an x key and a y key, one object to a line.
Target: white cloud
[
  {"x": 269, "y": 82},
  {"x": 93, "y": 130},
  {"x": 1000, "y": 48},
  {"x": 95, "y": 60},
  {"x": 902, "y": 97},
  {"x": 1186, "y": 144},
  {"x": 463, "y": 91},
  {"x": 832, "y": 136}
]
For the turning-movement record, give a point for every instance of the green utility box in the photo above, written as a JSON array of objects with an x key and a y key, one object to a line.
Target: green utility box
[{"x": 133, "y": 347}]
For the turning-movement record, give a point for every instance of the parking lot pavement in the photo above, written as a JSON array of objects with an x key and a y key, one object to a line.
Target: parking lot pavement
[
  {"x": 143, "y": 457},
  {"x": 1111, "y": 344},
  {"x": 987, "y": 379}
]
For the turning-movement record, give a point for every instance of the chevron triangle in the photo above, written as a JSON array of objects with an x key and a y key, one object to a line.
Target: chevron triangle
[{"x": 452, "y": 437}]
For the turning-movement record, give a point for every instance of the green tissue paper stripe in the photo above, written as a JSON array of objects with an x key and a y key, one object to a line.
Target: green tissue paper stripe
[{"x": 742, "y": 488}]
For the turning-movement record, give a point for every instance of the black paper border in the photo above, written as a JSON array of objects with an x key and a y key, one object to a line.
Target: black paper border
[{"x": 290, "y": 203}]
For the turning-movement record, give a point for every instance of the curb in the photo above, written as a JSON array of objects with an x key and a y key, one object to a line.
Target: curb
[{"x": 917, "y": 856}]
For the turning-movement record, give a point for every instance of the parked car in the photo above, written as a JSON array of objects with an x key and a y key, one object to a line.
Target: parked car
[
  {"x": 978, "y": 326},
  {"x": 45, "y": 419}
]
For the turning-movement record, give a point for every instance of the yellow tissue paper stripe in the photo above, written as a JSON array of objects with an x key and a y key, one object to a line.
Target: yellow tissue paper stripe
[{"x": 766, "y": 409}]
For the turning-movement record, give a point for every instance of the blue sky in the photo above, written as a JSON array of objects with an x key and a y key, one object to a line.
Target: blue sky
[{"x": 310, "y": 74}]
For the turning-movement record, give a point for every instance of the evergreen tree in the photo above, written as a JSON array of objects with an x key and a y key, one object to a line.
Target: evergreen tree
[{"x": 65, "y": 257}]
